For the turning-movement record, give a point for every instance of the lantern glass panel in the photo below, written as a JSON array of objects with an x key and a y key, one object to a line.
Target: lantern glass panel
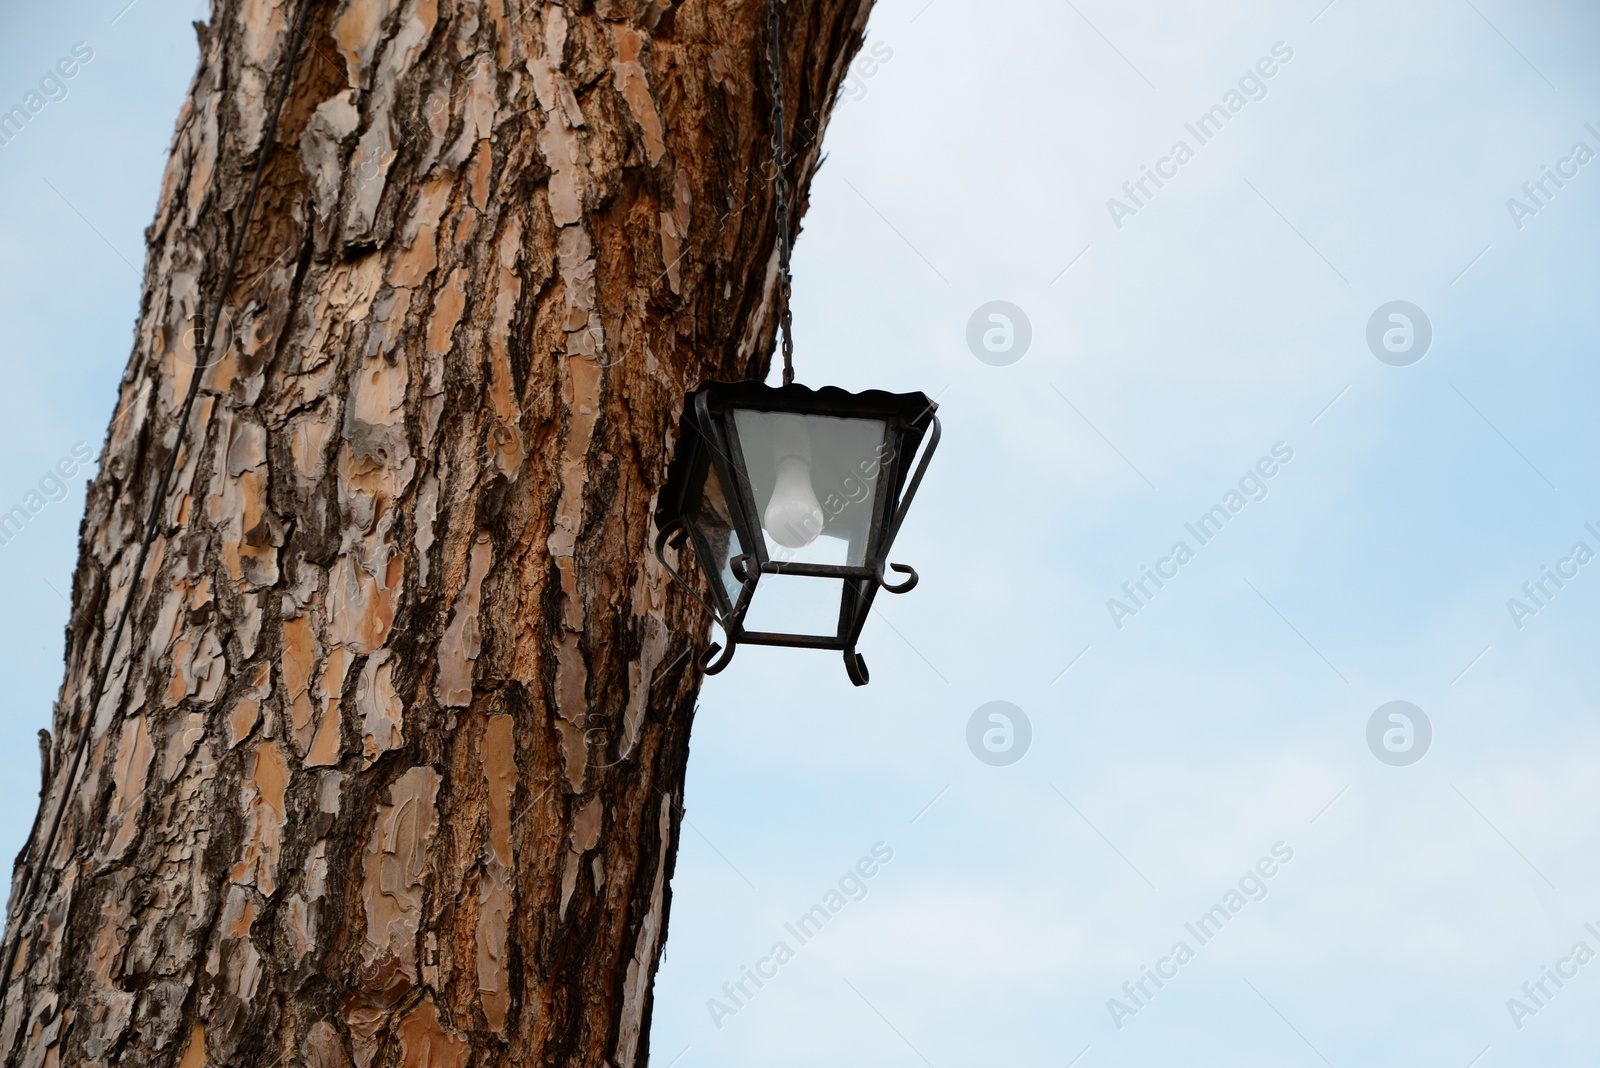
[
  {"x": 712, "y": 520},
  {"x": 815, "y": 479},
  {"x": 796, "y": 604}
]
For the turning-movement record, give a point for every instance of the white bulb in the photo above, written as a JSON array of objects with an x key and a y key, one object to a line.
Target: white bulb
[{"x": 793, "y": 518}]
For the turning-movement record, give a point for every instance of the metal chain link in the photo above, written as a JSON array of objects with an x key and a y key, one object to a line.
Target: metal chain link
[{"x": 780, "y": 178}]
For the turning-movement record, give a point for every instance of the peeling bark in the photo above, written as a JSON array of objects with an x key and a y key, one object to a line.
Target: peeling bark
[{"x": 389, "y": 768}]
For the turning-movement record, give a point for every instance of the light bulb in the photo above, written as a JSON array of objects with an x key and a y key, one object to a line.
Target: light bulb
[{"x": 793, "y": 518}]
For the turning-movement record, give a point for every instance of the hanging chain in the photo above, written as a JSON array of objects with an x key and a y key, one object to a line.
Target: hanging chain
[{"x": 781, "y": 182}]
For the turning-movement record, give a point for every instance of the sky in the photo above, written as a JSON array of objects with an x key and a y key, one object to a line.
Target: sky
[{"x": 1346, "y": 282}]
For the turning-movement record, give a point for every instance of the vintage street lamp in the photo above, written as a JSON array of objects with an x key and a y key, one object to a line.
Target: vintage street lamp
[{"x": 777, "y": 483}]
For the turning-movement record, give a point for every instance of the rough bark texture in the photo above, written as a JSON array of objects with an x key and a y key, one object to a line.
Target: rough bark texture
[{"x": 390, "y": 766}]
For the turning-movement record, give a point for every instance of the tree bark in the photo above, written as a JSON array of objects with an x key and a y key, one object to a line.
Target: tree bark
[{"x": 390, "y": 767}]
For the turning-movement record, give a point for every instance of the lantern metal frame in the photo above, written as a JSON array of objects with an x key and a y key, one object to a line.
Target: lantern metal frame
[{"x": 710, "y": 447}]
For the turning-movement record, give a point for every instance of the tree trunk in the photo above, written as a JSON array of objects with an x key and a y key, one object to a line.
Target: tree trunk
[{"x": 390, "y": 764}]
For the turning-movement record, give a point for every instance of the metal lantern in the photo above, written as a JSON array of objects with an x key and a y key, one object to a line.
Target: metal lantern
[{"x": 797, "y": 488}]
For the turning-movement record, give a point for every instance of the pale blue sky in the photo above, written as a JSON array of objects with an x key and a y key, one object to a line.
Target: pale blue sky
[{"x": 974, "y": 165}]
